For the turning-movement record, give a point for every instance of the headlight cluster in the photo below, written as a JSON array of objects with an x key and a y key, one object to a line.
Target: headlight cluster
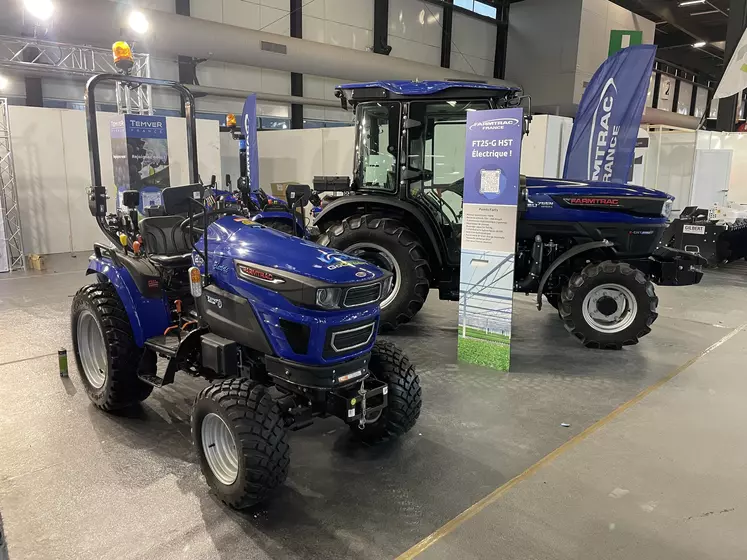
[
  {"x": 329, "y": 298},
  {"x": 666, "y": 209}
]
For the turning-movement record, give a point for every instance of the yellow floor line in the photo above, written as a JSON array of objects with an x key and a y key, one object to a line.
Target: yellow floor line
[{"x": 496, "y": 494}]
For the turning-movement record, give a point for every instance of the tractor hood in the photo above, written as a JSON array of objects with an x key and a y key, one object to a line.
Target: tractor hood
[
  {"x": 562, "y": 187},
  {"x": 243, "y": 240}
]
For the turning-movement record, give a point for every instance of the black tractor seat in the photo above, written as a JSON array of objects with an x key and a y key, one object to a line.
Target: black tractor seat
[{"x": 165, "y": 243}]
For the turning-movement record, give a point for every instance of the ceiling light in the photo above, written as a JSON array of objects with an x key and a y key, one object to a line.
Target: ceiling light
[
  {"x": 4, "y": 83},
  {"x": 699, "y": 44},
  {"x": 138, "y": 22},
  {"x": 40, "y": 9},
  {"x": 691, "y": 2},
  {"x": 706, "y": 12}
]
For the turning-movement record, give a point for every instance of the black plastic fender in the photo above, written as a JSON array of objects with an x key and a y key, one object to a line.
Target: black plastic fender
[
  {"x": 425, "y": 224},
  {"x": 577, "y": 250}
]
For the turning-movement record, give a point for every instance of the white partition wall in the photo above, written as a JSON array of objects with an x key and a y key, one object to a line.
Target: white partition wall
[
  {"x": 52, "y": 167},
  {"x": 298, "y": 155}
]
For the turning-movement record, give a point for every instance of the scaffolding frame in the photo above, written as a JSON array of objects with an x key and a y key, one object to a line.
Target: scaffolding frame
[
  {"x": 11, "y": 241},
  {"x": 47, "y": 58}
]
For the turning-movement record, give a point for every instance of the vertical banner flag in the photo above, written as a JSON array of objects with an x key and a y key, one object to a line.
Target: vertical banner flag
[
  {"x": 606, "y": 126},
  {"x": 491, "y": 193},
  {"x": 249, "y": 129},
  {"x": 735, "y": 76}
]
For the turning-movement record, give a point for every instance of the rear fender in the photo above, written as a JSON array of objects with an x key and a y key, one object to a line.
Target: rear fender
[
  {"x": 421, "y": 224},
  {"x": 576, "y": 251},
  {"x": 148, "y": 317}
]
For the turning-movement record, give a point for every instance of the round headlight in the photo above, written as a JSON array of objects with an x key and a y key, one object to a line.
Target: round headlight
[{"x": 328, "y": 298}]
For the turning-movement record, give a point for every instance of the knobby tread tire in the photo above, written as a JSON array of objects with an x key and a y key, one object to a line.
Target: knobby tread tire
[
  {"x": 122, "y": 387},
  {"x": 404, "y": 246},
  {"x": 606, "y": 272},
  {"x": 260, "y": 435},
  {"x": 390, "y": 364}
]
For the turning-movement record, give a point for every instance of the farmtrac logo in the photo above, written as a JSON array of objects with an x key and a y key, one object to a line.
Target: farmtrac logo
[
  {"x": 600, "y": 201},
  {"x": 495, "y": 124},
  {"x": 603, "y": 138}
]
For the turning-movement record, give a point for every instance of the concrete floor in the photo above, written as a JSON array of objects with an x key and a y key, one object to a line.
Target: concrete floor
[{"x": 666, "y": 478}]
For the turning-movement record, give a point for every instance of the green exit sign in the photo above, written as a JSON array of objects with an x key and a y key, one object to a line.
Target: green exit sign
[{"x": 622, "y": 38}]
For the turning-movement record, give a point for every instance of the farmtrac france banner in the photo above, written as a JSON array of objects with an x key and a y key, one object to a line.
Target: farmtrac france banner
[
  {"x": 604, "y": 133},
  {"x": 491, "y": 194},
  {"x": 249, "y": 130}
]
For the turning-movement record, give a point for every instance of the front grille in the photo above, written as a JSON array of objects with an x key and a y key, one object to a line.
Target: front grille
[
  {"x": 345, "y": 339},
  {"x": 362, "y": 295}
]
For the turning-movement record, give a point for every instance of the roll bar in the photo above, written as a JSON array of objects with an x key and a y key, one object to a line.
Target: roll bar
[{"x": 93, "y": 133}]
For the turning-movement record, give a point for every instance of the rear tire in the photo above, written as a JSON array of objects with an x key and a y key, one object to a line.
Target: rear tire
[
  {"x": 391, "y": 365},
  {"x": 390, "y": 240},
  {"x": 279, "y": 225},
  {"x": 609, "y": 305},
  {"x": 247, "y": 454},
  {"x": 105, "y": 351}
]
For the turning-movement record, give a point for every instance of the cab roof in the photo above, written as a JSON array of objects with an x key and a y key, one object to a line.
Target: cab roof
[
  {"x": 398, "y": 89},
  {"x": 407, "y": 87}
]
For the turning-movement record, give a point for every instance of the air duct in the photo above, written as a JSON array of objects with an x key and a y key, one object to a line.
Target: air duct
[
  {"x": 101, "y": 22},
  {"x": 668, "y": 118}
]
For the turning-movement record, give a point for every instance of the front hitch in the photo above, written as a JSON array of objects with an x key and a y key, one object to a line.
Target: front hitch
[{"x": 675, "y": 267}]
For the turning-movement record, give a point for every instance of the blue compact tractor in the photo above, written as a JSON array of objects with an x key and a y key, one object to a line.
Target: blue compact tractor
[
  {"x": 592, "y": 249},
  {"x": 284, "y": 330}
]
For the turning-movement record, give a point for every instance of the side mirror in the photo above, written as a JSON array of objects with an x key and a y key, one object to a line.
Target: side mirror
[
  {"x": 298, "y": 194},
  {"x": 131, "y": 199},
  {"x": 242, "y": 184},
  {"x": 228, "y": 181}
]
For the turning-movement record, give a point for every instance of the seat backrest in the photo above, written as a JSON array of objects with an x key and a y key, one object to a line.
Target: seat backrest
[{"x": 162, "y": 236}]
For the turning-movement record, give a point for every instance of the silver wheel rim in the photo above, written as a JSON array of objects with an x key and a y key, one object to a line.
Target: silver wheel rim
[
  {"x": 625, "y": 308},
  {"x": 220, "y": 449},
  {"x": 382, "y": 258},
  {"x": 92, "y": 349}
]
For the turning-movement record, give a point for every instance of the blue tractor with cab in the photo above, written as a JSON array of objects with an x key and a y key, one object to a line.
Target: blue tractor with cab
[
  {"x": 591, "y": 249},
  {"x": 284, "y": 330}
]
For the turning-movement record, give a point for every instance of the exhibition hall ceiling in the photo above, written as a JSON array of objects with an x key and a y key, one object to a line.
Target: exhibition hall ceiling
[{"x": 682, "y": 26}]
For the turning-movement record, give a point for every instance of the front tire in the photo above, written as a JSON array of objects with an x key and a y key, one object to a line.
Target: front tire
[
  {"x": 105, "y": 351},
  {"x": 608, "y": 305},
  {"x": 390, "y": 365},
  {"x": 389, "y": 245},
  {"x": 241, "y": 441}
]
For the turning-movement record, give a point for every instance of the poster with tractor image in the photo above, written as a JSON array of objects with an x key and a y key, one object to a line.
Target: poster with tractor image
[{"x": 491, "y": 191}]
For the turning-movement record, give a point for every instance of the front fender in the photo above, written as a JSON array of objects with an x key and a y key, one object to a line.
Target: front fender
[
  {"x": 148, "y": 317},
  {"x": 577, "y": 250}
]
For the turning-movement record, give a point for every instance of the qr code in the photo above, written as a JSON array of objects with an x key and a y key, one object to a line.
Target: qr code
[{"x": 490, "y": 181}]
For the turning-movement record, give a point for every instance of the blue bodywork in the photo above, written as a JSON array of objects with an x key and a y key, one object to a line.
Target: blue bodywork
[
  {"x": 541, "y": 206},
  {"x": 281, "y": 213},
  {"x": 149, "y": 317},
  {"x": 231, "y": 239},
  {"x": 234, "y": 238},
  {"x": 428, "y": 87}
]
